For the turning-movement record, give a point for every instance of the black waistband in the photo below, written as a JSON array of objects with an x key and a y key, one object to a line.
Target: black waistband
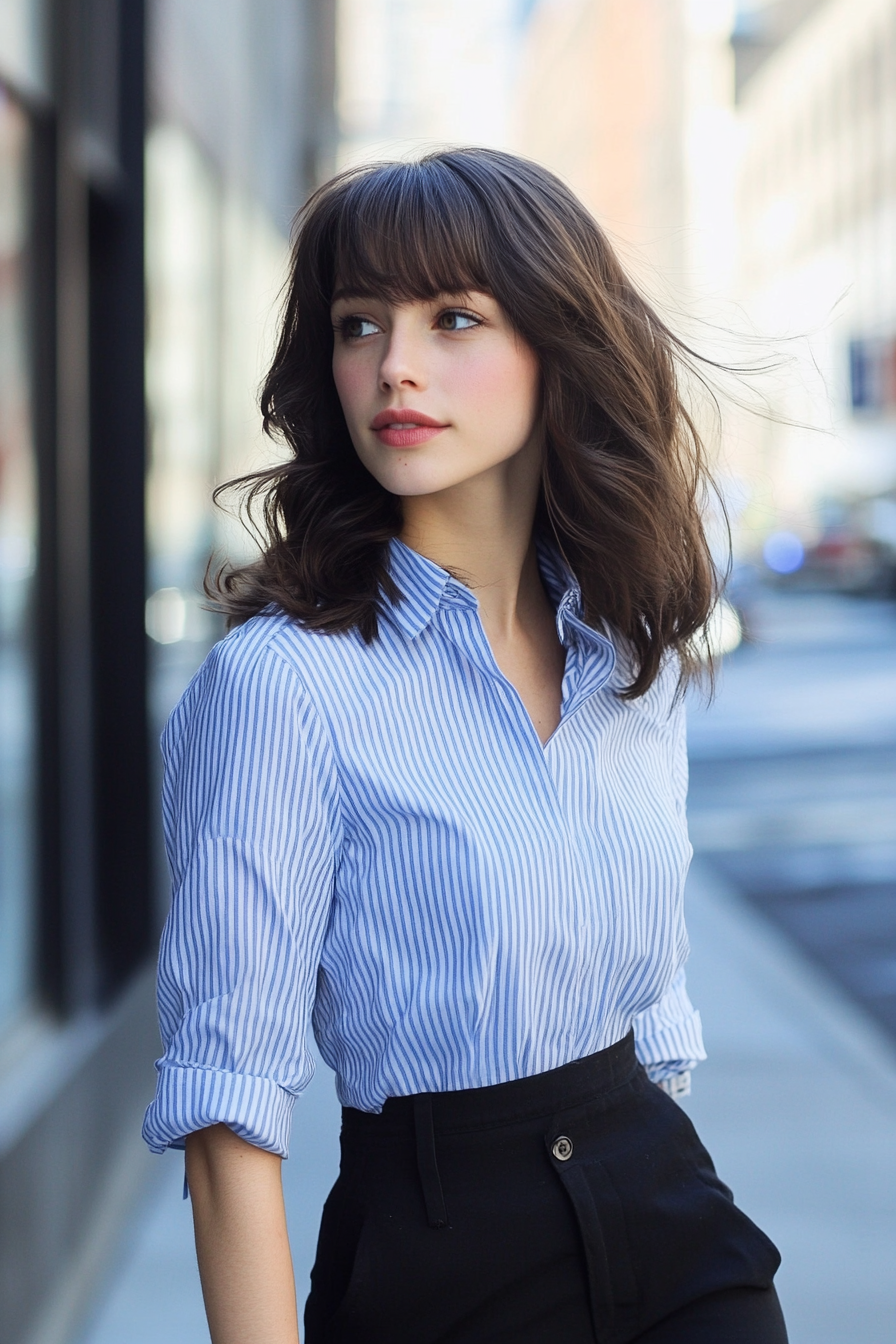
[{"x": 575, "y": 1084}]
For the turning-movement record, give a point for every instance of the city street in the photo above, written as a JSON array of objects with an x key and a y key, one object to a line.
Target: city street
[
  {"x": 793, "y": 783},
  {"x": 792, "y": 914},
  {"x": 792, "y": 918}
]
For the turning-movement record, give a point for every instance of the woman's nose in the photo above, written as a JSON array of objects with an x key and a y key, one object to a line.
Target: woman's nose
[{"x": 403, "y": 363}]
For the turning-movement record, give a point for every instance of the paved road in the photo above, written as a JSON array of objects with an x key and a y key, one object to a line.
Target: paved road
[
  {"x": 793, "y": 784},
  {"x": 791, "y": 901}
]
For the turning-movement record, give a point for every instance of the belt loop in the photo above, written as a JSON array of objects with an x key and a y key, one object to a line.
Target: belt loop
[{"x": 427, "y": 1166}]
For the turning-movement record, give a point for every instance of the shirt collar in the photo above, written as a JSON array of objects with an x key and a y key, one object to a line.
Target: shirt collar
[
  {"x": 565, "y": 595},
  {"x": 425, "y": 587}
]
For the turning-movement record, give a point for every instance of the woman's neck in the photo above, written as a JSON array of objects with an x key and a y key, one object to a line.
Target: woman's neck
[{"x": 481, "y": 530}]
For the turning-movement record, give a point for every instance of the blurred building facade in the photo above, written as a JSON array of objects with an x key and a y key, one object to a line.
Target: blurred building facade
[
  {"x": 741, "y": 157},
  {"x": 420, "y": 74},
  {"x": 600, "y": 99},
  {"x": 817, "y": 237},
  {"x": 631, "y": 102},
  {"x": 151, "y": 159}
]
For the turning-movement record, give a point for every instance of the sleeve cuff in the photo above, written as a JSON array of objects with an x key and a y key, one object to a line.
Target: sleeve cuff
[
  {"x": 672, "y": 1049},
  {"x": 679, "y": 1085},
  {"x": 256, "y": 1109}
]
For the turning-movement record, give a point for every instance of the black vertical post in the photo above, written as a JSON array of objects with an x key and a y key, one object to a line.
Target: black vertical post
[
  {"x": 51, "y": 974},
  {"x": 117, "y": 481},
  {"x": 69, "y": 935}
]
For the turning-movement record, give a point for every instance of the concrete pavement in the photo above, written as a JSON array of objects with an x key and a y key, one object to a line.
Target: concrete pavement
[{"x": 153, "y": 1292}]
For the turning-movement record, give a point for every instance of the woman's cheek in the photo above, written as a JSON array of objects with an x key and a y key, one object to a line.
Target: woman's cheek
[
  {"x": 503, "y": 391},
  {"x": 352, "y": 379}
]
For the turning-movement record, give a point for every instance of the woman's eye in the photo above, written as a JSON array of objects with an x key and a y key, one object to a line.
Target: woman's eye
[
  {"x": 456, "y": 320},
  {"x": 352, "y": 328}
]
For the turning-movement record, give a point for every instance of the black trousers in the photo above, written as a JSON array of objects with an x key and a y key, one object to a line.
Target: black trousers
[{"x": 575, "y": 1207}]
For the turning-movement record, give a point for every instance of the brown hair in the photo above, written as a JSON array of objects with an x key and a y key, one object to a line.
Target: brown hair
[{"x": 624, "y": 468}]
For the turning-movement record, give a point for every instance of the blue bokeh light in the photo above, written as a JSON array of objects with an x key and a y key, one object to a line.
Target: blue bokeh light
[{"x": 783, "y": 552}]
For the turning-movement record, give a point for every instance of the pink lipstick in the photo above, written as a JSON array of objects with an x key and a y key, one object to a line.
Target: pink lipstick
[{"x": 401, "y": 427}]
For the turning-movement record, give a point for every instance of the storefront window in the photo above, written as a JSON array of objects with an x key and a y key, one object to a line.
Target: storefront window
[
  {"x": 215, "y": 265},
  {"x": 17, "y": 557},
  {"x": 23, "y": 44},
  {"x": 183, "y": 262}
]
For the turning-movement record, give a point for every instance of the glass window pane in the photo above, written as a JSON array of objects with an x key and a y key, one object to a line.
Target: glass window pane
[
  {"x": 215, "y": 265},
  {"x": 23, "y": 44},
  {"x": 182, "y": 373},
  {"x": 17, "y": 554}
]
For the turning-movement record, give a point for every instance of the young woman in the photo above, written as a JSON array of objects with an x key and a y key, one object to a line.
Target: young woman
[{"x": 428, "y": 796}]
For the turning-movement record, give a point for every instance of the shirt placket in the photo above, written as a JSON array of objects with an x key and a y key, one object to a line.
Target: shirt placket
[{"x": 461, "y": 623}]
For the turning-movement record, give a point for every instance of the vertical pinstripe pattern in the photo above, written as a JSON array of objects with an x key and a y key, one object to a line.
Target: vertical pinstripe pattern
[{"x": 374, "y": 838}]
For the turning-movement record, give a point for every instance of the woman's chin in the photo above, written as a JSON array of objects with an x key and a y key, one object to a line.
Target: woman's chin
[{"x": 411, "y": 484}]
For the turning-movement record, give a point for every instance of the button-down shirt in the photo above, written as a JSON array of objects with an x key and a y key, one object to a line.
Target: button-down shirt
[{"x": 372, "y": 838}]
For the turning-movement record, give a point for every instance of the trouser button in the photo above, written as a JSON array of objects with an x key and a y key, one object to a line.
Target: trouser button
[{"x": 562, "y": 1148}]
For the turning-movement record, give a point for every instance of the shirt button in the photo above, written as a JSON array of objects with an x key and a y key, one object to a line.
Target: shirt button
[{"x": 562, "y": 1148}]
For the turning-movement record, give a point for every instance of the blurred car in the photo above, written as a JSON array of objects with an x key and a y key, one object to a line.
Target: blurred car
[
  {"x": 855, "y": 552},
  {"x": 843, "y": 560}
]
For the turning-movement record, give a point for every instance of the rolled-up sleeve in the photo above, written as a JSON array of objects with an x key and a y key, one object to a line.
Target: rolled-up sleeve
[
  {"x": 668, "y": 1034},
  {"x": 252, "y": 831}
]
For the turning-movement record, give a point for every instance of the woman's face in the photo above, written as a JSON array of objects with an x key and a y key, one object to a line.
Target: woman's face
[{"x": 434, "y": 392}]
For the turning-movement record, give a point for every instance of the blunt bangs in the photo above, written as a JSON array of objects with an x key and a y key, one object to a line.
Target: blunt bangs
[{"x": 410, "y": 231}]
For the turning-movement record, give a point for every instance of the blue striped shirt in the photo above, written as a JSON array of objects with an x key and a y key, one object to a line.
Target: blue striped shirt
[{"x": 373, "y": 839}]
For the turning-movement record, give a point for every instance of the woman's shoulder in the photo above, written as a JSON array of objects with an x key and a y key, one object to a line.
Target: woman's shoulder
[
  {"x": 269, "y": 641},
  {"x": 260, "y": 661},
  {"x": 245, "y": 652}
]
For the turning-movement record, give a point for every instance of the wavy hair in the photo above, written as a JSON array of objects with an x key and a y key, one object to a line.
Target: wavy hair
[{"x": 624, "y": 472}]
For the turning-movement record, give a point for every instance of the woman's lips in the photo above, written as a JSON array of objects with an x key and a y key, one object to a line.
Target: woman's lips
[
  {"x": 407, "y": 436},
  {"x": 405, "y": 428}
]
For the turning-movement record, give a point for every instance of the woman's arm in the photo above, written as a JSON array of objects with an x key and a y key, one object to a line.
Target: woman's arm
[{"x": 241, "y": 1239}]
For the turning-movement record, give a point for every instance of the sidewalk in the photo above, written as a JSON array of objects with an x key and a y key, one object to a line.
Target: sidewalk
[
  {"x": 797, "y": 1104},
  {"x": 153, "y": 1294}
]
